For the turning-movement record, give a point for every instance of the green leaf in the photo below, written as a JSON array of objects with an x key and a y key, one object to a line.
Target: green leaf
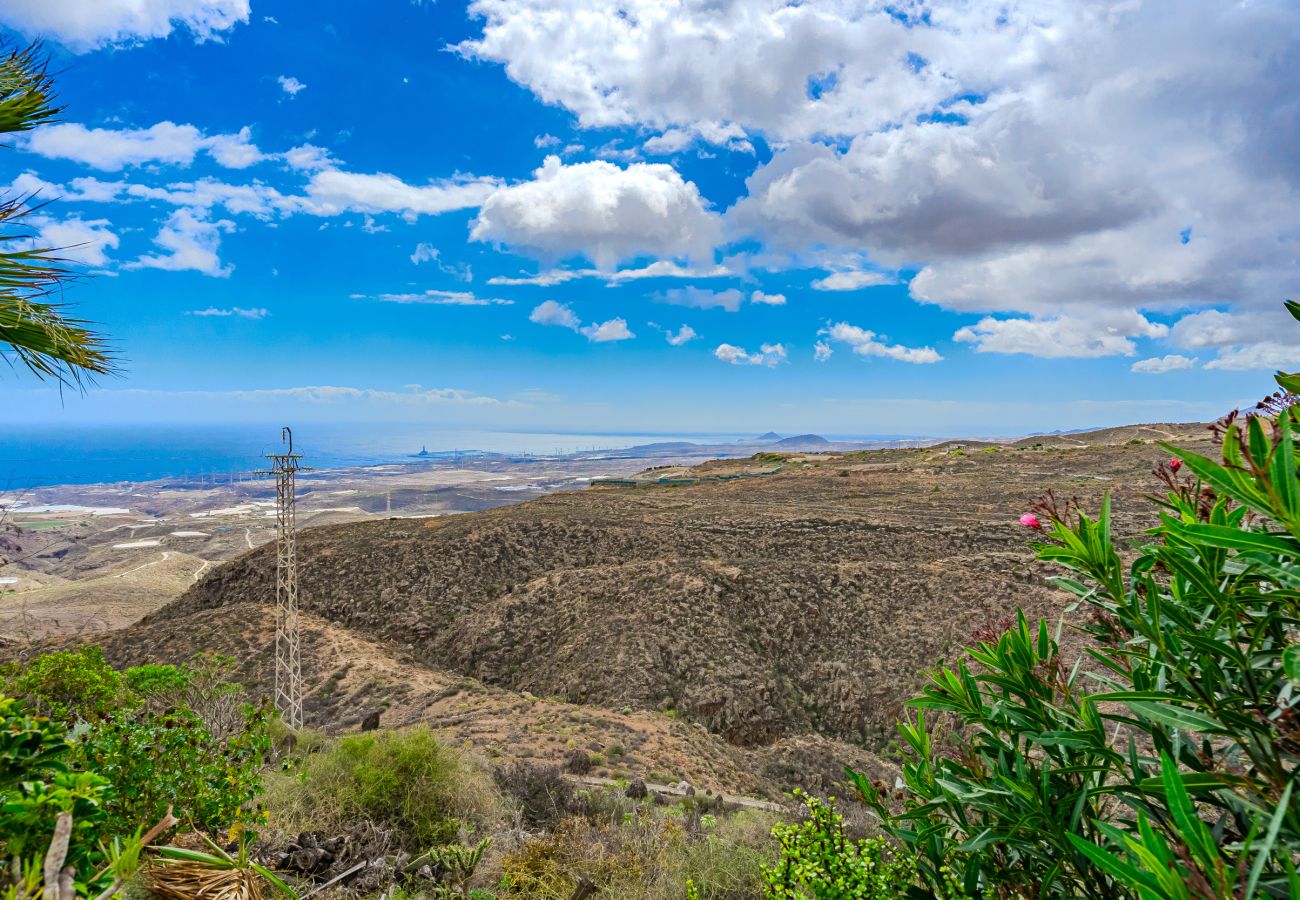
[
  {"x": 1177, "y": 717},
  {"x": 1282, "y": 471},
  {"x": 1124, "y": 872},
  {"x": 1190, "y": 828},
  {"x": 1261, "y": 858},
  {"x": 1291, "y": 662},
  {"x": 1237, "y": 539},
  {"x": 1288, "y": 381}
]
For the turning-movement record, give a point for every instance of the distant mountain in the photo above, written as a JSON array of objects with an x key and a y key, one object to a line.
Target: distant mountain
[
  {"x": 802, "y": 442},
  {"x": 770, "y": 436}
]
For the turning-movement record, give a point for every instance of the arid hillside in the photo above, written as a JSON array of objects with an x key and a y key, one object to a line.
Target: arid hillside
[{"x": 805, "y": 602}]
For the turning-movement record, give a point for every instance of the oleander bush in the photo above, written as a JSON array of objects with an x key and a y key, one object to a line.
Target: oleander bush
[{"x": 1163, "y": 764}]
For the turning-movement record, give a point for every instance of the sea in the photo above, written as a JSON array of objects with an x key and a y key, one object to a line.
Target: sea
[{"x": 36, "y": 456}]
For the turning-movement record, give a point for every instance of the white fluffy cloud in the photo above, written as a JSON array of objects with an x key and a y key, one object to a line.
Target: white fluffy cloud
[
  {"x": 1158, "y": 365},
  {"x": 865, "y": 343},
  {"x": 424, "y": 253},
  {"x": 612, "y": 330},
  {"x": 1053, "y": 160},
  {"x": 192, "y": 242},
  {"x": 81, "y": 241},
  {"x": 111, "y": 149},
  {"x": 684, "y": 334},
  {"x": 439, "y": 298},
  {"x": 253, "y": 313},
  {"x": 790, "y": 70},
  {"x": 1260, "y": 355},
  {"x": 852, "y": 280},
  {"x": 84, "y": 25},
  {"x": 1108, "y": 334},
  {"x": 290, "y": 85},
  {"x": 550, "y": 312},
  {"x": 770, "y": 355},
  {"x": 660, "y": 268},
  {"x": 700, "y": 298},
  {"x": 822, "y": 351},
  {"x": 333, "y": 191},
  {"x": 601, "y": 211},
  {"x": 767, "y": 299}
]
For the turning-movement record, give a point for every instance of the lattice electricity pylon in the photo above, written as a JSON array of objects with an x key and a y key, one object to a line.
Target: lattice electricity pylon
[{"x": 288, "y": 658}]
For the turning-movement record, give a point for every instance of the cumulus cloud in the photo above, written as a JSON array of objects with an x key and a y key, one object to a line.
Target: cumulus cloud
[
  {"x": 822, "y": 351},
  {"x": 333, "y": 191},
  {"x": 767, "y": 299},
  {"x": 290, "y": 85},
  {"x": 1260, "y": 355},
  {"x": 683, "y": 334},
  {"x": 701, "y": 298},
  {"x": 82, "y": 241},
  {"x": 192, "y": 243},
  {"x": 1109, "y": 334},
  {"x": 112, "y": 149},
  {"x": 853, "y": 280},
  {"x": 660, "y": 268},
  {"x": 866, "y": 343},
  {"x": 439, "y": 298},
  {"x": 308, "y": 158},
  {"x": 424, "y": 253},
  {"x": 254, "y": 313},
  {"x": 712, "y": 67},
  {"x": 601, "y": 211},
  {"x": 551, "y": 312},
  {"x": 1115, "y": 145},
  {"x": 83, "y": 25},
  {"x": 770, "y": 355},
  {"x": 1158, "y": 365},
  {"x": 612, "y": 330}
]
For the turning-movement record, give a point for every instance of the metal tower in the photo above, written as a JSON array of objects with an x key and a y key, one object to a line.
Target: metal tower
[{"x": 288, "y": 659}]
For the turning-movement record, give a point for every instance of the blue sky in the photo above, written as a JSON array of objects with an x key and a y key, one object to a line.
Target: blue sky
[{"x": 670, "y": 216}]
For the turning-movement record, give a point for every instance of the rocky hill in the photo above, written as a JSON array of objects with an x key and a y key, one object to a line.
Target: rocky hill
[{"x": 768, "y": 608}]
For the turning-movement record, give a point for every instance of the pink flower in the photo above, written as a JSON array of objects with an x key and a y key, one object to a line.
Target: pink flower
[
  {"x": 1029, "y": 520},
  {"x": 1175, "y": 464}
]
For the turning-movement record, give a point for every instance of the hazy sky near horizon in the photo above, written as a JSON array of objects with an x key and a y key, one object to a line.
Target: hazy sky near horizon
[{"x": 924, "y": 218}]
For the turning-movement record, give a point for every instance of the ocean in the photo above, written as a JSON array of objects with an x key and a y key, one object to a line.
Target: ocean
[{"x": 35, "y": 456}]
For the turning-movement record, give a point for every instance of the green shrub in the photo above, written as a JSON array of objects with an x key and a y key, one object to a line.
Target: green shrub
[
  {"x": 1166, "y": 768},
  {"x": 35, "y": 786},
  {"x": 156, "y": 760},
  {"x": 400, "y": 779},
  {"x": 726, "y": 862},
  {"x": 818, "y": 860},
  {"x": 153, "y": 680},
  {"x": 69, "y": 685}
]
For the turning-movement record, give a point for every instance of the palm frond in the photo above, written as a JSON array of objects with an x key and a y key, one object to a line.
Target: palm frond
[
  {"x": 35, "y": 328},
  {"x": 27, "y": 97}
]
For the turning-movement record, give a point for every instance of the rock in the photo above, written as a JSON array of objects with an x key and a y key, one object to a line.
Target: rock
[
  {"x": 371, "y": 721},
  {"x": 637, "y": 789}
]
